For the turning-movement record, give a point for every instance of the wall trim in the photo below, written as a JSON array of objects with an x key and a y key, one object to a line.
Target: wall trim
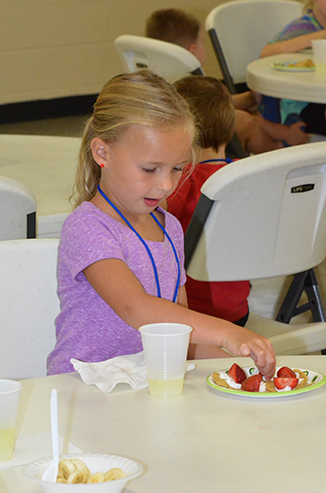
[{"x": 49, "y": 108}]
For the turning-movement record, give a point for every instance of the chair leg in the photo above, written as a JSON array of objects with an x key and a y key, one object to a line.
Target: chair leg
[
  {"x": 313, "y": 292},
  {"x": 196, "y": 226},
  {"x": 228, "y": 81},
  {"x": 31, "y": 225},
  {"x": 304, "y": 281}
]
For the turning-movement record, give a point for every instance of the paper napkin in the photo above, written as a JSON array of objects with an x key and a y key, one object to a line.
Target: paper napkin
[{"x": 107, "y": 374}]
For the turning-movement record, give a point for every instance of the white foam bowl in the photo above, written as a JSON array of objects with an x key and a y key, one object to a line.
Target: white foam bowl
[{"x": 95, "y": 463}]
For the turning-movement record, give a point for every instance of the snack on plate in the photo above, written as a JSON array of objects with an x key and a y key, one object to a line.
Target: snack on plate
[
  {"x": 304, "y": 64},
  {"x": 72, "y": 471},
  {"x": 284, "y": 380}
]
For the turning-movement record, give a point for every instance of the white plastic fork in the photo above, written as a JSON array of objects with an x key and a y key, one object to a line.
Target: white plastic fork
[{"x": 50, "y": 474}]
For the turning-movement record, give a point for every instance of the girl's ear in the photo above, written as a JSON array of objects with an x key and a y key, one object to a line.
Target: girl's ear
[{"x": 100, "y": 151}]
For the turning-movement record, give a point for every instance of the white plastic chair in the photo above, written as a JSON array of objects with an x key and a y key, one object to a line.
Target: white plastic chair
[
  {"x": 165, "y": 59},
  {"x": 28, "y": 306},
  {"x": 265, "y": 216},
  {"x": 240, "y": 29},
  {"x": 17, "y": 210}
]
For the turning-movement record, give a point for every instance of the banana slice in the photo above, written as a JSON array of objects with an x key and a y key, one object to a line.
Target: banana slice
[
  {"x": 114, "y": 473},
  {"x": 60, "y": 479},
  {"x": 98, "y": 477},
  {"x": 77, "y": 477},
  {"x": 74, "y": 471},
  {"x": 66, "y": 467},
  {"x": 80, "y": 465}
]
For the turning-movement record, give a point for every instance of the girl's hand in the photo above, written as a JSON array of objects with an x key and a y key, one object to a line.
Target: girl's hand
[{"x": 243, "y": 342}]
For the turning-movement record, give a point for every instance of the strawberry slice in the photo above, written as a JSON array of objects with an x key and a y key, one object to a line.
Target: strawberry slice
[
  {"x": 286, "y": 372},
  {"x": 252, "y": 384},
  {"x": 282, "y": 382},
  {"x": 237, "y": 373}
]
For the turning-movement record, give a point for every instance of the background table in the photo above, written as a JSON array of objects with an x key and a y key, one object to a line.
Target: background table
[
  {"x": 300, "y": 86},
  {"x": 47, "y": 165},
  {"x": 204, "y": 441}
]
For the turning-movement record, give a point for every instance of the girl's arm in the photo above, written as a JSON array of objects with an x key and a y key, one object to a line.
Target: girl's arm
[
  {"x": 119, "y": 288},
  {"x": 292, "y": 45}
]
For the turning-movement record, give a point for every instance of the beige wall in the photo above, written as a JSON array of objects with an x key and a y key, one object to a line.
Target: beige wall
[{"x": 56, "y": 48}]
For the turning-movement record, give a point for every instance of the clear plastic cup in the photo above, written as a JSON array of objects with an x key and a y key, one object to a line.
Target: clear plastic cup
[
  {"x": 9, "y": 401},
  {"x": 165, "y": 347},
  {"x": 319, "y": 52}
]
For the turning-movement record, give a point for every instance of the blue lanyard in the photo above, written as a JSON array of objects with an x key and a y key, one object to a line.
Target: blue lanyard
[
  {"x": 226, "y": 160},
  {"x": 147, "y": 247}
]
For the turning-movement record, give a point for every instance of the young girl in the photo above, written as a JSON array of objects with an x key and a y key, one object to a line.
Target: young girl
[
  {"x": 297, "y": 36},
  {"x": 120, "y": 262}
]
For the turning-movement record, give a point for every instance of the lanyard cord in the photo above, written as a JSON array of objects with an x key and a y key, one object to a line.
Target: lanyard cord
[
  {"x": 147, "y": 247},
  {"x": 175, "y": 254},
  {"x": 226, "y": 160}
]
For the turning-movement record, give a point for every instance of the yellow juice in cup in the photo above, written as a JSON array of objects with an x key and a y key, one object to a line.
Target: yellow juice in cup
[
  {"x": 7, "y": 443},
  {"x": 165, "y": 388}
]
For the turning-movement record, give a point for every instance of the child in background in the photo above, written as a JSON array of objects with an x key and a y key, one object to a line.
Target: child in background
[
  {"x": 254, "y": 132},
  {"x": 120, "y": 260},
  {"x": 297, "y": 36},
  {"x": 212, "y": 104}
]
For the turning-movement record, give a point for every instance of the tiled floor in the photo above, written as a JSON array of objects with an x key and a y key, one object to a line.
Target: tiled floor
[{"x": 70, "y": 126}]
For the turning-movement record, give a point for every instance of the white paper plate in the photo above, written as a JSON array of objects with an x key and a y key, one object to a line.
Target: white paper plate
[
  {"x": 96, "y": 463},
  {"x": 317, "y": 379}
]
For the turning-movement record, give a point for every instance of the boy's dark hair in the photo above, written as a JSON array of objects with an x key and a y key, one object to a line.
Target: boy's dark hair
[
  {"x": 173, "y": 26},
  {"x": 213, "y": 107}
]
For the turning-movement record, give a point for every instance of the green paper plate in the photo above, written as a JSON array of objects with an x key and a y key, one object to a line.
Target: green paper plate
[{"x": 317, "y": 379}]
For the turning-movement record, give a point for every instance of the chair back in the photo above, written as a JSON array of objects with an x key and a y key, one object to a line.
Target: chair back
[
  {"x": 28, "y": 306},
  {"x": 267, "y": 217},
  {"x": 240, "y": 29},
  {"x": 165, "y": 59},
  {"x": 17, "y": 210}
]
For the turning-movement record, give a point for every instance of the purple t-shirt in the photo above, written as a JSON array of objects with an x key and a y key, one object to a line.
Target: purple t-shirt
[
  {"x": 303, "y": 25},
  {"x": 87, "y": 328}
]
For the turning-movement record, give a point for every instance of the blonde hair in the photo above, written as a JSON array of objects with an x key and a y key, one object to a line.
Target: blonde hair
[{"x": 136, "y": 98}]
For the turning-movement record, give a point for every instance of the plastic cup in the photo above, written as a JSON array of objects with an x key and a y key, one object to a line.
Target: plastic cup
[
  {"x": 319, "y": 52},
  {"x": 9, "y": 401},
  {"x": 165, "y": 347}
]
